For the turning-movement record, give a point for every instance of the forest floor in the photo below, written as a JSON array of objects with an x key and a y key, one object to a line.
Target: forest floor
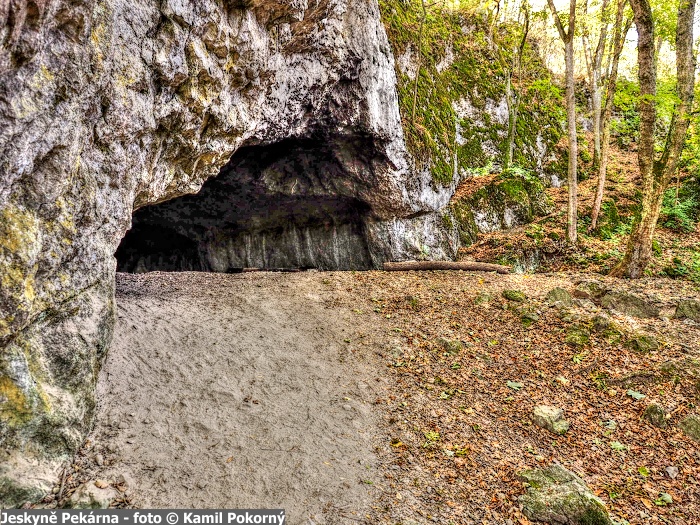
[
  {"x": 387, "y": 397},
  {"x": 542, "y": 244}
]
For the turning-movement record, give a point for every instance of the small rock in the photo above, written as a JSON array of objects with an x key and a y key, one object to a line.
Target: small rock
[
  {"x": 529, "y": 318},
  {"x": 555, "y": 495},
  {"x": 601, "y": 322},
  {"x": 629, "y": 304},
  {"x": 482, "y": 298},
  {"x": 577, "y": 335},
  {"x": 123, "y": 482},
  {"x": 643, "y": 344},
  {"x": 656, "y": 415},
  {"x": 558, "y": 298},
  {"x": 100, "y": 460},
  {"x": 550, "y": 418},
  {"x": 691, "y": 427},
  {"x": 672, "y": 472},
  {"x": 688, "y": 309},
  {"x": 450, "y": 346},
  {"x": 89, "y": 496},
  {"x": 514, "y": 295},
  {"x": 592, "y": 290},
  {"x": 585, "y": 304}
]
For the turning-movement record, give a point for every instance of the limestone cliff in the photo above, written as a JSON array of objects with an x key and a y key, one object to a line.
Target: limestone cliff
[{"x": 107, "y": 106}]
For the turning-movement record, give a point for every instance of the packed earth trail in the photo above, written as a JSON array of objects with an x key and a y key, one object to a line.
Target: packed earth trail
[{"x": 236, "y": 391}]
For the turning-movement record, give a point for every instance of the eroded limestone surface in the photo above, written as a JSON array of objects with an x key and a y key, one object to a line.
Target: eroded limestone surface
[{"x": 108, "y": 106}]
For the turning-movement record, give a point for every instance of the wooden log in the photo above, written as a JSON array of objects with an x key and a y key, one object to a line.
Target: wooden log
[{"x": 445, "y": 265}]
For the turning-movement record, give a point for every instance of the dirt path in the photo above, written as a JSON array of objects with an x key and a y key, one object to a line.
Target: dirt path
[{"x": 237, "y": 391}]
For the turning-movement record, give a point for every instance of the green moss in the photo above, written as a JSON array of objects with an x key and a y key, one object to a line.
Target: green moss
[
  {"x": 13, "y": 495},
  {"x": 514, "y": 295},
  {"x": 447, "y": 222},
  {"x": 476, "y": 76}
]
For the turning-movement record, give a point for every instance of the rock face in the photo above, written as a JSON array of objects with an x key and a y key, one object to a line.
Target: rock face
[
  {"x": 109, "y": 106},
  {"x": 555, "y": 495}
]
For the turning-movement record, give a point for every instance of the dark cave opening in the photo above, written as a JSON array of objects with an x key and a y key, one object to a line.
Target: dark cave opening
[{"x": 287, "y": 205}]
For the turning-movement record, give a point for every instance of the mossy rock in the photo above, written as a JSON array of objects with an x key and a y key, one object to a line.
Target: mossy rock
[
  {"x": 643, "y": 344},
  {"x": 629, "y": 304},
  {"x": 450, "y": 346},
  {"x": 691, "y": 427},
  {"x": 613, "y": 335},
  {"x": 14, "y": 495},
  {"x": 601, "y": 323},
  {"x": 514, "y": 295},
  {"x": 555, "y": 495},
  {"x": 559, "y": 297},
  {"x": 656, "y": 415},
  {"x": 688, "y": 309},
  {"x": 688, "y": 367},
  {"x": 528, "y": 318},
  {"x": 578, "y": 335},
  {"x": 592, "y": 290},
  {"x": 482, "y": 298}
]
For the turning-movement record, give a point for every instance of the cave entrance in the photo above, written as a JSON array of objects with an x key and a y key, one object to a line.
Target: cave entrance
[{"x": 288, "y": 205}]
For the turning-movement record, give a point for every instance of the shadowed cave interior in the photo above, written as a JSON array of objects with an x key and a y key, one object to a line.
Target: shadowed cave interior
[{"x": 287, "y": 205}]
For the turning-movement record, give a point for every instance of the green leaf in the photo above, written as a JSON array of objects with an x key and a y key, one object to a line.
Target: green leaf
[
  {"x": 616, "y": 445},
  {"x": 663, "y": 499},
  {"x": 514, "y": 385},
  {"x": 635, "y": 395},
  {"x": 644, "y": 471}
]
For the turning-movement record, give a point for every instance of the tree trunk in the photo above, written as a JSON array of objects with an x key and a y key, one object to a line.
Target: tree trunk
[
  {"x": 445, "y": 265},
  {"x": 572, "y": 214},
  {"x": 657, "y": 175},
  {"x": 513, "y": 97},
  {"x": 567, "y": 36},
  {"x": 619, "y": 36},
  {"x": 510, "y": 146}
]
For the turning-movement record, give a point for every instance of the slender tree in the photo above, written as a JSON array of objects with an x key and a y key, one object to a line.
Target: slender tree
[
  {"x": 594, "y": 67},
  {"x": 656, "y": 174},
  {"x": 567, "y": 36},
  {"x": 621, "y": 28}
]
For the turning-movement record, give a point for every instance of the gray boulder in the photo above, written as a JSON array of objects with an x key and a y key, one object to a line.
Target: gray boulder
[
  {"x": 688, "y": 309},
  {"x": 691, "y": 427},
  {"x": 555, "y": 495},
  {"x": 629, "y": 304},
  {"x": 559, "y": 297}
]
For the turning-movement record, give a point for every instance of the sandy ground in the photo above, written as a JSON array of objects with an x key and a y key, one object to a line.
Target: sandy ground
[{"x": 238, "y": 391}]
